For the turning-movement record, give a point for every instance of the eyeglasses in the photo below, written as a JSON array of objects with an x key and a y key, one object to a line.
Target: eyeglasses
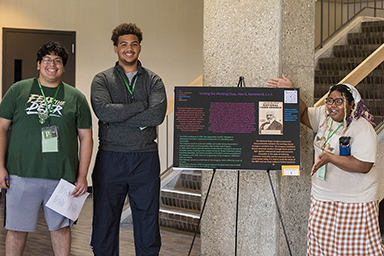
[
  {"x": 54, "y": 61},
  {"x": 337, "y": 101}
]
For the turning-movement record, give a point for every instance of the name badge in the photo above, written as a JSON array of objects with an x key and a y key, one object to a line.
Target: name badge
[
  {"x": 321, "y": 172},
  {"x": 49, "y": 139}
]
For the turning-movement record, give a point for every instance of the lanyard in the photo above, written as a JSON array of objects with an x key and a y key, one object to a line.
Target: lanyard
[
  {"x": 126, "y": 83},
  {"x": 331, "y": 134},
  {"x": 45, "y": 99}
]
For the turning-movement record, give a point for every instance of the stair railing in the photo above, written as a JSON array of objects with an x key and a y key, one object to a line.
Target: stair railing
[{"x": 334, "y": 14}]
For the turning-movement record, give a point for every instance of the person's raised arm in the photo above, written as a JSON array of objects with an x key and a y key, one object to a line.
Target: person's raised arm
[
  {"x": 4, "y": 128},
  {"x": 285, "y": 82},
  {"x": 85, "y": 153}
]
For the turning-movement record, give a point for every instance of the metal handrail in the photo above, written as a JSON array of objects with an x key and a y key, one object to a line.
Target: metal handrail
[{"x": 339, "y": 11}]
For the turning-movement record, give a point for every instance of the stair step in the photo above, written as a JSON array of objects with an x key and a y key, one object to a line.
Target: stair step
[
  {"x": 375, "y": 108},
  {"x": 330, "y": 77},
  {"x": 343, "y": 60},
  {"x": 354, "y": 50},
  {"x": 328, "y": 80},
  {"x": 352, "y": 47},
  {"x": 181, "y": 203},
  {"x": 372, "y": 26},
  {"x": 363, "y": 38},
  {"x": 181, "y": 199},
  {"x": 178, "y": 219},
  {"x": 320, "y": 90},
  {"x": 343, "y": 64},
  {"x": 365, "y": 35},
  {"x": 191, "y": 180}
]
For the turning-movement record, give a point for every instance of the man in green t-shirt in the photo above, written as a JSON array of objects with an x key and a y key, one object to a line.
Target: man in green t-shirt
[{"x": 39, "y": 113}]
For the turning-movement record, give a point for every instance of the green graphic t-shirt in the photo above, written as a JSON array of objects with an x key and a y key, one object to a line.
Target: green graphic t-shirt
[{"x": 69, "y": 112}]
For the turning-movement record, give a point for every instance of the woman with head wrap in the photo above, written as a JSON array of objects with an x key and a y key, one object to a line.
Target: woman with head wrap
[{"x": 343, "y": 218}]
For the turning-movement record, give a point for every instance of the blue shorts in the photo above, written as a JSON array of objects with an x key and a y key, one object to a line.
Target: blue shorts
[{"x": 24, "y": 198}]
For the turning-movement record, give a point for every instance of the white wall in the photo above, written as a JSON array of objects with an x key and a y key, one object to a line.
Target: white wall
[{"x": 172, "y": 34}]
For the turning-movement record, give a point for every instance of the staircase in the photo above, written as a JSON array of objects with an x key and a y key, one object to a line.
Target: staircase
[
  {"x": 180, "y": 205},
  {"x": 345, "y": 58}
]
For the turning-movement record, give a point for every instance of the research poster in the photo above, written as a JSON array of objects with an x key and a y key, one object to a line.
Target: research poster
[{"x": 236, "y": 128}]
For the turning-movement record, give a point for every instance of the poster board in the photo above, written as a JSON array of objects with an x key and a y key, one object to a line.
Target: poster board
[{"x": 236, "y": 128}]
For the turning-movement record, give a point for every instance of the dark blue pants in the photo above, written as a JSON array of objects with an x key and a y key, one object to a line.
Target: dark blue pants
[{"x": 115, "y": 174}]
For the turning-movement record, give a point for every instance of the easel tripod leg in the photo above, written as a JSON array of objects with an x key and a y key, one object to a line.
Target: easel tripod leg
[{"x": 202, "y": 211}]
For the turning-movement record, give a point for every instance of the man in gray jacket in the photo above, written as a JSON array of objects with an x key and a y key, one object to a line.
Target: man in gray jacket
[{"x": 129, "y": 101}]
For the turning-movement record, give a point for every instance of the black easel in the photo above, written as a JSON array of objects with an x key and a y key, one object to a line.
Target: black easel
[
  {"x": 241, "y": 83},
  {"x": 202, "y": 211},
  {"x": 278, "y": 210}
]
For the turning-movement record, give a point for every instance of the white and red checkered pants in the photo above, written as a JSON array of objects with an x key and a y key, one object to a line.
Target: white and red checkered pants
[{"x": 344, "y": 229}]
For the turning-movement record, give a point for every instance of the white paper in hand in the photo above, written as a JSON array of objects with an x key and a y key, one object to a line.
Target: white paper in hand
[{"x": 62, "y": 202}]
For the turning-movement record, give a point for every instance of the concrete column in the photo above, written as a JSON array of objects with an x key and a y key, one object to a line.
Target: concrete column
[{"x": 258, "y": 40}]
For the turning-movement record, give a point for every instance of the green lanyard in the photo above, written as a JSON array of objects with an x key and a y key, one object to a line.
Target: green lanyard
[
  {"x": 126, "y": 83},
  {"x": 331, "y": 134},
  {"x": 45, "y": 99}
]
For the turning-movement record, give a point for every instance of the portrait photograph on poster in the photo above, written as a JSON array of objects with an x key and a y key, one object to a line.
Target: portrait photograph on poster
[
  {"x": 271, "y": 117},
  {"x": 236, "y": 128}
]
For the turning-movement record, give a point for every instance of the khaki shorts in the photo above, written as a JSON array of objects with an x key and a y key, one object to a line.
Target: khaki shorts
[{"x": 24, "y": 198}]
